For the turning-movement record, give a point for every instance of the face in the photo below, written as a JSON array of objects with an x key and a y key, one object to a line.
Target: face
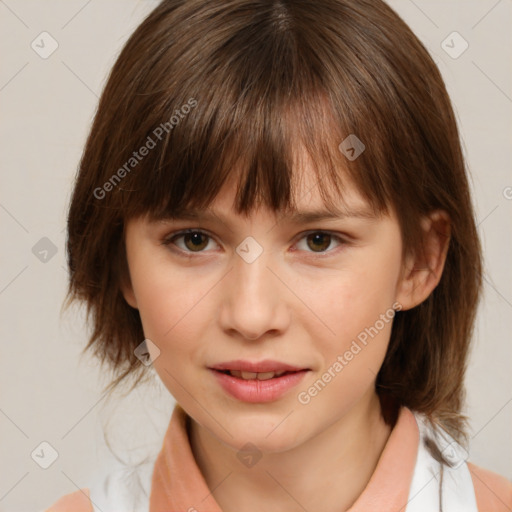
[{"x": 237, "y": 301}]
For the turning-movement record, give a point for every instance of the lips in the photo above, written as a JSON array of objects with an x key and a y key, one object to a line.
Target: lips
[
  {"x": 253, "y": 375},
  {"x": 267, "y": 365},
  {"x": 262, "y": 381}
]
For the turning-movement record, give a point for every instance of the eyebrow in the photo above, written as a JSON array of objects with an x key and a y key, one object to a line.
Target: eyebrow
[
  {"x": 293, "y": 216},
  {"x": 308, "y": 216}
]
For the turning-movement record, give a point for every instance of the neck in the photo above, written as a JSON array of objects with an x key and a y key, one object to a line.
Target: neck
[{"x": 305, "y": 477}]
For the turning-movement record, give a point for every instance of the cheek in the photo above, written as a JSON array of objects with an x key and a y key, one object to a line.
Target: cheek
[
  {"x": 358, "y": 309},
  {"x": 172, "y": 306},
  {"x": 166, "y": 320}
]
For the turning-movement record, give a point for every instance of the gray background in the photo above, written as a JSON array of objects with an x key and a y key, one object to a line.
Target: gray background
[{"x": 49, "y": 393}]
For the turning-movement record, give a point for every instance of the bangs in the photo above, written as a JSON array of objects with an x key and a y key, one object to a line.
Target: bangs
[
  {"x": 264, "y": 147},
  {"x": 255, "y": 111}
]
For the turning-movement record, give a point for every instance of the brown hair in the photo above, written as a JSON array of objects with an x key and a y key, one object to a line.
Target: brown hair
[{"x": 230, "y": 89}]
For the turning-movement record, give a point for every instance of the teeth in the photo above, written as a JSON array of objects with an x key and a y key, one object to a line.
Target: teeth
[
  {"x": 266, "y": 375},
  {"x": 249, "y": 375},
  {"x": 254, "y": 375}
]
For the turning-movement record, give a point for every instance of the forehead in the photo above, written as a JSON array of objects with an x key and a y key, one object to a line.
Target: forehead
[
  {"x": 307, "y": 197},
  {"x": 308, "y": 205}
]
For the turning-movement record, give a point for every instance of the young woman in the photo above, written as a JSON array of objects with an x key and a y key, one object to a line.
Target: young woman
[{"x": 273, "y": 205}]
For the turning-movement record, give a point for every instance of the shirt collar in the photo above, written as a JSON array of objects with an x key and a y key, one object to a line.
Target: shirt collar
[{"x": 178, "y": 485}]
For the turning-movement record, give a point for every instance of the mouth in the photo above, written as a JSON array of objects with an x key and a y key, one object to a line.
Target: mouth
[
  {"x": 263, "y": 381},
  {"x": 265, "y": 366},
  {"x": 254, "y": 375}
]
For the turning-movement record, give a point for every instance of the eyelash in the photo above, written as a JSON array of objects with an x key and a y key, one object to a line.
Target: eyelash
[{"x": 169, "y": 240}]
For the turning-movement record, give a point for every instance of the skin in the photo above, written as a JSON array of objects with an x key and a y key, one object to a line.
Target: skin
[{"x": 292, "y": 305}]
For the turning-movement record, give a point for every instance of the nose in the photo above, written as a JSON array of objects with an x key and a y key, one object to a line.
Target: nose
[{"x": 254, "y": 304}]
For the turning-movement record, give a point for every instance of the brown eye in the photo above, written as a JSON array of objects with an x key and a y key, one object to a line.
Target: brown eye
[
  {"x": 319, "y": 242},
  {"x": 189, "y": 241},
  {"x": 195, "y": 241}
]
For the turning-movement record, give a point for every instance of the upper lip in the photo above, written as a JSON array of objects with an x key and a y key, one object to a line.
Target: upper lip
[{"x": 267, "y": 365}]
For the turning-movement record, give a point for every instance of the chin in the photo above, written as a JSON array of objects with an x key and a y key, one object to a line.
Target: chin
[{"x": 268, "y": 434}]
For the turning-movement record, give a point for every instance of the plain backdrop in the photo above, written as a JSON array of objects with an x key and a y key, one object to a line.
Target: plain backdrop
[{"x": 48, "y": 394}]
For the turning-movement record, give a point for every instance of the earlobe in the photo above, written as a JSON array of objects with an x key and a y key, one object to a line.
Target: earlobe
[{"x": 422, "y": 270}]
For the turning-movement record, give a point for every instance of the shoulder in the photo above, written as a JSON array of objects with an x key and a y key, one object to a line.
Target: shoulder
[
  {"x": 78, "y": 501},
  {"x": 493, "y": 491}
]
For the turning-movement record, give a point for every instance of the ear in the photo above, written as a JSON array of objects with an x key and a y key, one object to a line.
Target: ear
[
  {"x": 129, "y": 296},
  {"x": 422, "y": 270},
  {"x": 125, "y": 284}
]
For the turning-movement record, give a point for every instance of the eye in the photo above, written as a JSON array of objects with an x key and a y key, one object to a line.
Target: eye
[
  {"x": 319, "y": 241},
  {"x": 196, "y": 241},
  {"x": 193, "y": 240}
]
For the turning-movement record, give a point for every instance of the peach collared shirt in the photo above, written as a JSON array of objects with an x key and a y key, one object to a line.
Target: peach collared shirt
[{"x": 177, "y": 484}]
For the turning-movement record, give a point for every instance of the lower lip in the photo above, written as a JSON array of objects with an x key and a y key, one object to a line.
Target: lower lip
[{"x": 255, "y": 390}]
